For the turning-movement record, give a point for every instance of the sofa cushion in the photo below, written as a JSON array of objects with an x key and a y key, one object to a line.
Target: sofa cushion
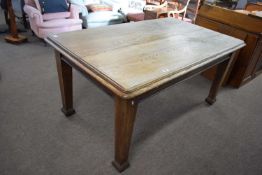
[
  {"x": 59, "y": 15},
  {"x": 60, "y": 23},
  {"x": 104, "y": 16},
  {"x": 51, "y": 6},
  {"x": 81, "y": 6}
]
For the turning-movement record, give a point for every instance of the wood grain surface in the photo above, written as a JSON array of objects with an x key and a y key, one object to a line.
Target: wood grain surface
[{"x": 137, "y": 57}]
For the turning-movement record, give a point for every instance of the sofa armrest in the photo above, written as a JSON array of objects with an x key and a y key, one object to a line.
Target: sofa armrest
[
  {"x": 74, "y": 10},
  {"x": 81, "y": 7},
  {"x": 30, "y": 11},
  {"x": 33, "y": 14}
]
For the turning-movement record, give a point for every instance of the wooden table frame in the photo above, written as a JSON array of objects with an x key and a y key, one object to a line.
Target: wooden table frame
[
  {"x": 134, "y": 61},
  {"x": 125, "y": 108}
]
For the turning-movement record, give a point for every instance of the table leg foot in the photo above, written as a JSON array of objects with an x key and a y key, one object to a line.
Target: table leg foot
[
  {"x": 125, "y": 113},
  {"x": 222, "y": 69},
  {"x": 68, "y": 112},
  {"x": 122, "y": 167},
  {"x": 210, "y": 101},
  {"x": 66, "y": 84}
]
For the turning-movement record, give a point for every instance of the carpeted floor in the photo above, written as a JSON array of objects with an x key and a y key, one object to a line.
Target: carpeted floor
[{"x": 175, "y": 132}]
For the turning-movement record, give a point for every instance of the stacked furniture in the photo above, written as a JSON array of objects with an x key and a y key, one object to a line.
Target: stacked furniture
[
  {"x": 184, "y": 10},
  {"x": 132, "y": 9},
  {"x": 180, "y": 11},
  {"x": 104, "y": 18},
  {"x": 137, "y": 8},
  {"x": 98, "y": 17},
  {"x": 245, "y": 26},
  {"x": 45, "y": 22},
  {"x": 154, "y": 11}
]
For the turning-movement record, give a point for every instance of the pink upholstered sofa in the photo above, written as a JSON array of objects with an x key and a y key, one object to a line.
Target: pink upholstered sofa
[{"x": 44, "y": 24}]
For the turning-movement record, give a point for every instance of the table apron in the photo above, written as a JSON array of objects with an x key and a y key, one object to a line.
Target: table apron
[
  {"x": 183, "y": 78},
  {"x": 87, "y": 75},
  {"x": 148, "y": 93}
]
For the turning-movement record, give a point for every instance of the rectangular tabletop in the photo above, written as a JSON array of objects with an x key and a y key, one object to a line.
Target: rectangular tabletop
[{"x": 133, "y": 58}]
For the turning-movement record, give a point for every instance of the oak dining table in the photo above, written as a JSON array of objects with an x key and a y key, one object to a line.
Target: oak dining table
[{"x": 133, "y": 61}]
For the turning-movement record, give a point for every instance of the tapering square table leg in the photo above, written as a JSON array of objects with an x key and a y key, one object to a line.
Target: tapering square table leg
[
  {"x": 125, "y": 113},
  {"x": 222, "y": 69},
  {"x": 66, "y": 85}
]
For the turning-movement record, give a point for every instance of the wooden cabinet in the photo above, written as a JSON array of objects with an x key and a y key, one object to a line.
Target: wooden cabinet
[{"x": 248, "y": 63}]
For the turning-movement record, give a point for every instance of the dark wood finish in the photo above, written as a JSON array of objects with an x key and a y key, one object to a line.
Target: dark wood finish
[
  {"x": 125, "y": 109},
  {"x": 13, "y": 37},
  {"x": 258, "y": 54},
  {"x": 125, "y": 113},
  {"x": 66, "y": 85},
  {"x": 180, "y": 79},
  {"x": 242, "y": 26},
  {"x": 225, "y": 16},
  {"x": 222, "y": 69}
]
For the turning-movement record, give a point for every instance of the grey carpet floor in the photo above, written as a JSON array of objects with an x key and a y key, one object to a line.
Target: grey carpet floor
[{"x": 175, "y": 132}]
